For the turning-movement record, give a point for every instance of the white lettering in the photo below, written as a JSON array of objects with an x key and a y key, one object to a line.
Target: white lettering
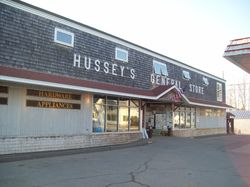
[
  {"x": 152, "y": 78},
  {"x": 122, "y": 70},
  {"x": 172, "y": 81},
  {"x": 157, "y": 79},
  {"x": 106, "y": 67},
  {"x": 196, "y": 89},
  {"x": 114, "y": 66},
  {"x": 87, "y": 62},
  {"x": 97, "y": 65},
  {"x": 77, "y": 61},
  {"x": 132, "y": 73}
]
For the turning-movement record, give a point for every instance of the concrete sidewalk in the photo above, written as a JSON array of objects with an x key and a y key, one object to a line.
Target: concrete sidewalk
[{"x": 167, "y": 162}]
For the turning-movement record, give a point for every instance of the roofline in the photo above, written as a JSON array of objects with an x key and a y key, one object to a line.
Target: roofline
[
  {"x": 52, "y": 16},
  {"x": 240, "y": 38},
  {"x": 94, "y": 90}
]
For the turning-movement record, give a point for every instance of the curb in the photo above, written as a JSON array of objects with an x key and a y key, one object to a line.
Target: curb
[{"x": 45, "y": 154}]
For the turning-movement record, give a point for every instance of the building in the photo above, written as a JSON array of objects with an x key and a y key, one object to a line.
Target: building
[
  {"x": 65, "y": 85},
  {"x": 238, "y": 52},
  {"x": 241, "y": 122}
]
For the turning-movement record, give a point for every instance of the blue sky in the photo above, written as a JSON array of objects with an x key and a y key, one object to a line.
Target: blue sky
[{"x": 194, "y": 32}]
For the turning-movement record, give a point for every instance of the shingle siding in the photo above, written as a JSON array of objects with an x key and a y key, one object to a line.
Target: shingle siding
[{"x": 27, "y": 42}]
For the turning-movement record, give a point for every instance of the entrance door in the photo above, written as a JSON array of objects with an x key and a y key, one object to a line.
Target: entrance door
[
  {"x": 160, "y": 121},
  {"x": 230, "y": 126}
]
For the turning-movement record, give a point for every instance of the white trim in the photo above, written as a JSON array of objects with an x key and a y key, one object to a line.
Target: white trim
[
  {"x": 71, "y": 87},
  {"x": 94, "y": 90},
  {"x": 206, "y": 105},
  {"x": 65, "y": 32},
  {"x": 103, "y": 35},
  {"x": 123, "y": 51}
]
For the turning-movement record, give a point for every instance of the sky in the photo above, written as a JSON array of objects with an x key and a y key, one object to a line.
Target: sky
[{"x": 195, "y": 32}]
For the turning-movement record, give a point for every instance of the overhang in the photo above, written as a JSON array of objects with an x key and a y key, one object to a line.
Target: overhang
[
  {"x": 238, "y": 52},
  {"x": 160, "y": 93}
]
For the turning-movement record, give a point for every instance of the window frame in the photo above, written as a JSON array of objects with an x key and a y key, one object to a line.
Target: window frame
[
  {"x": 184, "y": 73},
  {"x": 219, "y": 92},
  {"x": 161, "y": 65},
  {"x": 123, "y": 51},
  {"x": 65, "y": 32},
  {"x": 205, "y": 81}
]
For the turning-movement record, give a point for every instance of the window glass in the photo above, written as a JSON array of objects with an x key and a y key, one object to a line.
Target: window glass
[
  {"x": 99, "y": 100},
  {"x": 219, "y": 91},
  {"x": 64, "y": 37},
  {"x": 177, "y": 119},
  {"x": 160, "y": 68},
  {"x": 186, "y": 75},
  {"x": 112, "y": 101},
  {"x": 193, "y": 118},
  {"x": 112, "y": 117},
  {"x": 205, "y": 81},
  {"x": 134, "y": 119},
  {"x": 111, "y": 114},
  {"x": 123, "y": 118},
  {"x": 123, "y": 102},
  {"x": 182, "y": 120},
  {"x": 98, "y": 118},
  {"x": 134, "y": 103},
  {"x": 185, "y": 117},
  {"x": 121, "y": 54},
  {"x": 188, "y": 118}
]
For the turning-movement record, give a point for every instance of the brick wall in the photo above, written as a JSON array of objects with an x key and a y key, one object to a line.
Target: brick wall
[
  {"x": 199, "y": 132},
  {"x": 52, "y": 143}
]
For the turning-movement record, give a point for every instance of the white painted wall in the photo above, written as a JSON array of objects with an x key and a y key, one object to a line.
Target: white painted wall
[
  {"x": 210, "y": 121},
  {"x": 242, "y": 126},
  {"x": 18, "y": 120}
]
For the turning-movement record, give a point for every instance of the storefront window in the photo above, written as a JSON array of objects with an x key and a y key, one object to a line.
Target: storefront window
[
  {"x": 98, "y": 114},
  {"x": 188, "y": 118},
  {"x": 212, "y": 112},
  {"x": 185, "y": 117},
  {"x": 123, "y": 118},
  {"x": 177, "y": 119},
  {"x": 134, "y": 119},
  {"x": 193, "y": 118},
  {"x": 112, "y": 118},
  {"x": 112, "y": 114}
]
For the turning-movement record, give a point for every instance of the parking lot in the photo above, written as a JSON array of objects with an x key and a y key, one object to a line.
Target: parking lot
[{"x": 168, "y": 162}]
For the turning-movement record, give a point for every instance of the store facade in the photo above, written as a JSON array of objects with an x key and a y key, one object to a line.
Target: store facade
[{"x": 64, "y": 85}]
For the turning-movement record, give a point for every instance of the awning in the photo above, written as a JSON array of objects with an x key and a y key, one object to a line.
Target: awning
[
  {"x": 160, "y": 93},
  {"x": 238, "y": 52}
]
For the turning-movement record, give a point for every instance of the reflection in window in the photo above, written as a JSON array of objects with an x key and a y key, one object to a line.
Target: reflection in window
[
  {"x": 112, "y": 118},
  {"x": 134, "y": 119},
  {"x": 98, "y": 117},
  {"x": 123, "y": 118},
  {"x": 111, "y": 114},
  {"x": 185, "y": 117}
]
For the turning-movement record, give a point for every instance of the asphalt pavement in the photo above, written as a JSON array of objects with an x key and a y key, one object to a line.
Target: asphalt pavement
[{"x": 168, "y": 162}]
